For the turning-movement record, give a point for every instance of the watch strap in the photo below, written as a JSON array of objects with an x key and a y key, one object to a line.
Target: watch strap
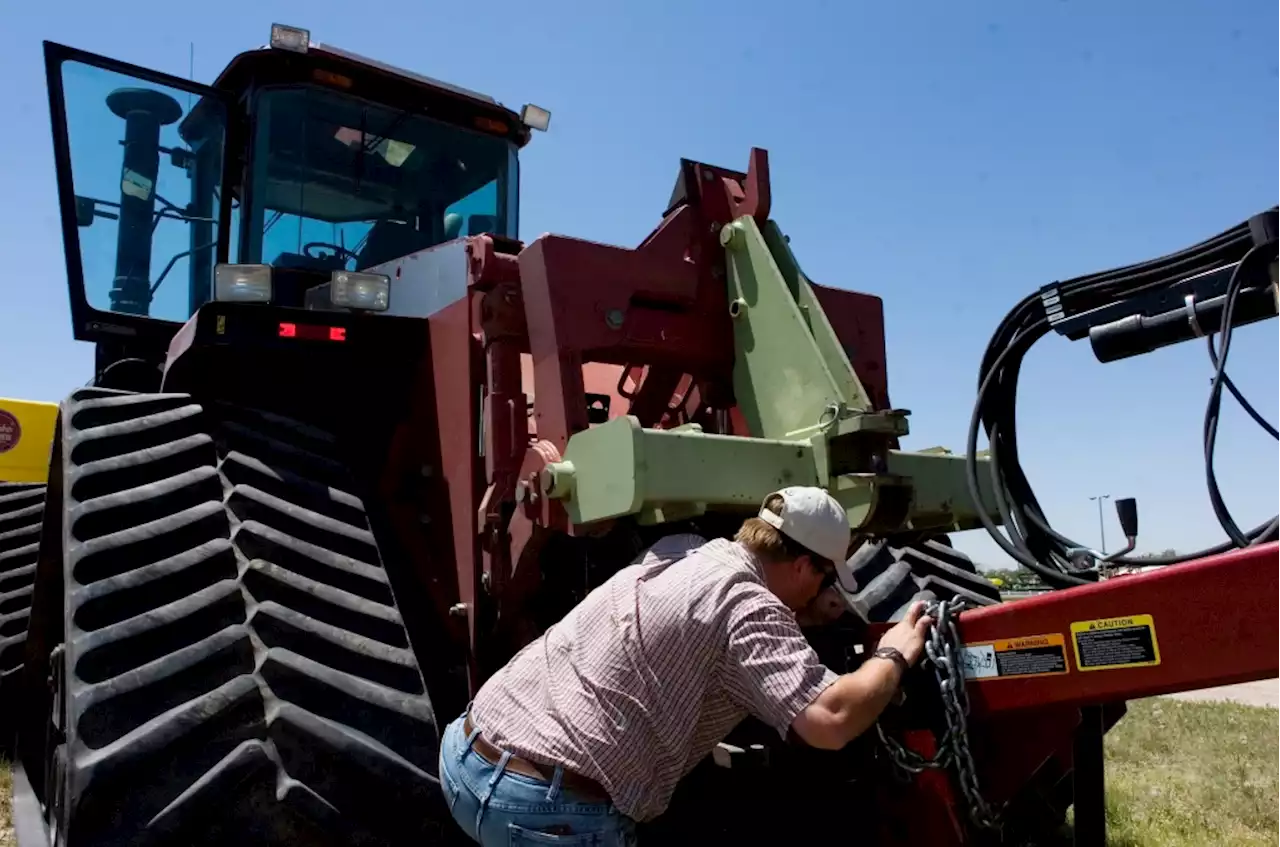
[{"x": 894, "y": 655}]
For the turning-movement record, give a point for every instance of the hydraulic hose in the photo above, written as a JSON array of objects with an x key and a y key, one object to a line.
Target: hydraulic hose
[{"x": 1072, "y": 308}]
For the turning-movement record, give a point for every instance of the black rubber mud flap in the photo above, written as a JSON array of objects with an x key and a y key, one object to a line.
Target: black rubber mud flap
[
  {"x": 21, "y": 514},
  {"x": 235, "y": 669}
]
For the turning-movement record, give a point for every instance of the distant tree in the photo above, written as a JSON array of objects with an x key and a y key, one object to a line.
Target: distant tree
[
  {"x": 1023, "y": 579},
  {"x": 1015, "y": 579}
]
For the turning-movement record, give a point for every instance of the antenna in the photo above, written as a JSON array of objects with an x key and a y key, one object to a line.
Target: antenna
[{"x": 191, "y": 68}]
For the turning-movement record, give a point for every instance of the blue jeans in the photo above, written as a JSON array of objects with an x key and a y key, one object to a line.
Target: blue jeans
[{"x": 495, "y": 806}]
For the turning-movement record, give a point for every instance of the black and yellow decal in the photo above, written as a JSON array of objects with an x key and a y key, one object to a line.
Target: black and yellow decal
[{"x": 1114, "y": 643}]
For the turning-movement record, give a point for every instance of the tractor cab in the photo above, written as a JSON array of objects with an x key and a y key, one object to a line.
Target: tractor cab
[{"x": 301, "y": 162}]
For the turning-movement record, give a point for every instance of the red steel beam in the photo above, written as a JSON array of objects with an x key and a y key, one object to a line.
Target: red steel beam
[{"x": 1214, "y": 621}]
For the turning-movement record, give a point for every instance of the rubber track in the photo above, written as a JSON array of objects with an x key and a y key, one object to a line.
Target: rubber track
[
  {"x": 890, "y": 578},
  {"x": 21, "y": 514},
  {"x": 237, "y": 671}
]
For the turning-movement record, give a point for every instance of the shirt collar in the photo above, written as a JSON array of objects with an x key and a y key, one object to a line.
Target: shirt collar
[{"x": 732, "y": 552}]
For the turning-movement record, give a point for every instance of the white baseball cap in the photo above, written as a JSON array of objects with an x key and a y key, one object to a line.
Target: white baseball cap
[{"x": 811, "y": 517}]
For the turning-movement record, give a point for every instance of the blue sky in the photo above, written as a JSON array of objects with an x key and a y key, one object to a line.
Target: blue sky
[{"x": 948, "y": 157}]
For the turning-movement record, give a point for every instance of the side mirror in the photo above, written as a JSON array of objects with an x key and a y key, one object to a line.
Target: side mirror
[
  {"x": 1127, "y": 512},
  {"x": 84, "y": 211}
]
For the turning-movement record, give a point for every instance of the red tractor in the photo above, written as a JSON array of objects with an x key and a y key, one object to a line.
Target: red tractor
[{"x": 350, "y": 444}]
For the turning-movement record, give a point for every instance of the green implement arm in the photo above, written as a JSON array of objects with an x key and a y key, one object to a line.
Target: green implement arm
[{"x": 811, "y": 422}]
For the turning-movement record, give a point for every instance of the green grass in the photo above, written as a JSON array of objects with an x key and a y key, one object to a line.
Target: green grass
[
  {"x": 7, "y": 838},
  {"x": 1179, "y": 774}
]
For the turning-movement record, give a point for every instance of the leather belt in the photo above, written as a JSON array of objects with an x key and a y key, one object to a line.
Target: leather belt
[{"x": 584, "y": 787}]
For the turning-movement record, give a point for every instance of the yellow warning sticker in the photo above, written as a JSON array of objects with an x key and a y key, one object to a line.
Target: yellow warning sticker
[
  {"x": 221, "y": 327},
  {"x": 1011, "y": 658},
  {"x": 1108, "y": 644}
]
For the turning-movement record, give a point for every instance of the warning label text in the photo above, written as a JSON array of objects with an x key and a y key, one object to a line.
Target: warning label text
[{"x": 1116, "y": 643}]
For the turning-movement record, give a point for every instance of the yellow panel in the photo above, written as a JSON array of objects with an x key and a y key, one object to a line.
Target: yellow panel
[{"x": 26, "y": 436}]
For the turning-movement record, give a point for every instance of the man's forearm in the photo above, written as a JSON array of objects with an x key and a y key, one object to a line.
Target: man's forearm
[{"x": 855, "y": 700}]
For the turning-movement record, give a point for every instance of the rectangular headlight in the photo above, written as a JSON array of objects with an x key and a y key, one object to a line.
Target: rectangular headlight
[
  {"x": 367, "y": 292},
  {"x": 242, "y": 283}
]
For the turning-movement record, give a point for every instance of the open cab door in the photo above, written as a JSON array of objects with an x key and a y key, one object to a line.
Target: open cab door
[{"x": 140, "y": 160}]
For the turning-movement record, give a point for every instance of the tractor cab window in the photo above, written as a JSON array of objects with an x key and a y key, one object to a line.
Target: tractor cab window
[
  {"x": 338, "y": 183},
  {"x": 145, "y": 166}
]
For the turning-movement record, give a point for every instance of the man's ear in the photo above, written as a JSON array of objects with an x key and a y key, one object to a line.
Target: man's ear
[{"x": 802, "y": 564}]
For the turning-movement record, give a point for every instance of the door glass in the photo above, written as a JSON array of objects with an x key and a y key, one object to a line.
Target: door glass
[{"x": 146, "y": 166}]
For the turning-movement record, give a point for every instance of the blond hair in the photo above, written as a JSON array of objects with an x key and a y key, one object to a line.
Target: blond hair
[{"x": 768, "y": 544}]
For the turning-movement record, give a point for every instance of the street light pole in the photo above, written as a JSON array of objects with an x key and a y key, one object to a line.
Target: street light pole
[{"x": 1102, "y": 528}]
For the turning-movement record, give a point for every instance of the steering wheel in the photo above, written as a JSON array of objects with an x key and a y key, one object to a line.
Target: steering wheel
[{"x": 340, "y": 252}]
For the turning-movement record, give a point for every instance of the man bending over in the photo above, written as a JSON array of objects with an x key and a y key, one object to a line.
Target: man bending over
[{"x": 589, "y": 728}]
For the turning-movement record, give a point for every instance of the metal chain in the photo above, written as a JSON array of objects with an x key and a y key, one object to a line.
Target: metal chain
[{"x": 953, "y": 752}]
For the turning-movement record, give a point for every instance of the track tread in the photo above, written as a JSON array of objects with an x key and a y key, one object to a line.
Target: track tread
[
  {"x": 20, "y": 536},
  {"x": 891, "y": 577},
  {"x": 21, "y": 517},
  {"x": 925, "y": 564},
  {"x": 237, "y": 667}
]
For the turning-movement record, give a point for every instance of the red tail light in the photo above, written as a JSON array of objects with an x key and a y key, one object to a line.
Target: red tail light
[{"x": 311, "y": 332}]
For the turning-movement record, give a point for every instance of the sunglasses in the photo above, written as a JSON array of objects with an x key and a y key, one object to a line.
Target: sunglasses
[{"x": 828, "y": 577}]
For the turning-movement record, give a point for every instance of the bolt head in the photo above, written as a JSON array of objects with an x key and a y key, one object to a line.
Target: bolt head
[{"x": 729, "y": 236}]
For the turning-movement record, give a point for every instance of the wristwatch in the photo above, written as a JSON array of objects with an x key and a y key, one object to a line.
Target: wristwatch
[{"x": 894, "y": 655}]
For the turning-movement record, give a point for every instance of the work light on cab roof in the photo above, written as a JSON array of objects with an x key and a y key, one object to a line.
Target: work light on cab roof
[{"x": 290, "y": 38}]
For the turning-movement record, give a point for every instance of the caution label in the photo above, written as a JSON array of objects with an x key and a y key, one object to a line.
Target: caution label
[
  {"x": 1031, "y": 655},
  {"x": 1111, "y": 643}
]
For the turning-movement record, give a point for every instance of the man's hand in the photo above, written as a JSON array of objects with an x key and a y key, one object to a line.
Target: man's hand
[{"x": 908, "y": 635}]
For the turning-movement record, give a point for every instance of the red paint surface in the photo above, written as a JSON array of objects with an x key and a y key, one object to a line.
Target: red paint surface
[{"x": 1215, "y": 623}]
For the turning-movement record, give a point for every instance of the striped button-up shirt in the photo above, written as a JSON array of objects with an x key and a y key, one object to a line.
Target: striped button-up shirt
[{"x": 648, "y": 673}]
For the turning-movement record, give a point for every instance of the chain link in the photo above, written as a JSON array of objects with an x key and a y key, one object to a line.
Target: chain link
[{"x": 942, "y": 647}]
